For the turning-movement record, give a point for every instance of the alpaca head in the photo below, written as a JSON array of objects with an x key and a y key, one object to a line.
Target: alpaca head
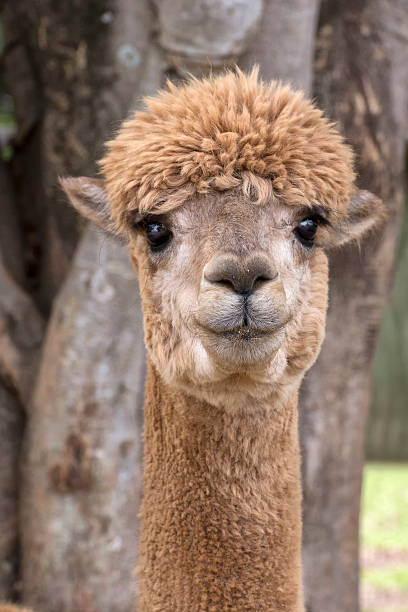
[{"x": 228, "y": 192}]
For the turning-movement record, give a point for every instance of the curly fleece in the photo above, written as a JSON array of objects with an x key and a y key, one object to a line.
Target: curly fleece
[{"x": 210, "y": 133}]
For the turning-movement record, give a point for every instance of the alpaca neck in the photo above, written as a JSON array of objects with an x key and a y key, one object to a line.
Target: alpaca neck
[{"x": 221, "y": 523}]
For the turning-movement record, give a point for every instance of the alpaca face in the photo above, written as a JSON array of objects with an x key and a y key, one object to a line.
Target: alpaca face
[
  {"x": 225, "y": 283},
  {"x": 234, "y": 291}
]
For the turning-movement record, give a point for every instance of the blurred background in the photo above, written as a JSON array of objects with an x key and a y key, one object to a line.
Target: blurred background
[{"x": 71, "y": 339}]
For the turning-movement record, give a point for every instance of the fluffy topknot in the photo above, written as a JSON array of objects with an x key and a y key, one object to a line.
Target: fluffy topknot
[{"x": 219, "y": 132}]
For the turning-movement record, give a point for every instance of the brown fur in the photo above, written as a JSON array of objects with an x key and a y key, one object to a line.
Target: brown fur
[
  {"x": 221, "y": 510},
  {"x": 232, "y": 166},
  {"x": 210, "y": 133}
]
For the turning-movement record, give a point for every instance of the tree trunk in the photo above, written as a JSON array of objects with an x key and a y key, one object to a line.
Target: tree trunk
[
  {"x": 73, "y": 74},
  {"x": 21, "y": 333},
  {"x": 81, "y": 487},
  {"x": 284, "y": 45},
  {"x": 361, "y": 71},
  {"x": 83, "y": 69}
]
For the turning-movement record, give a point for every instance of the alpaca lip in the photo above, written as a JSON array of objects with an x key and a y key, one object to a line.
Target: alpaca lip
[
  {"x": 239, "y": 319},
  {"x": 242, "y": 346},
  {"x": 244, "y": 332}
]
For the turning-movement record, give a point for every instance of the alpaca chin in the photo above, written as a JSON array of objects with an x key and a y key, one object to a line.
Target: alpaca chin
[{"x": 225, "y": 381}]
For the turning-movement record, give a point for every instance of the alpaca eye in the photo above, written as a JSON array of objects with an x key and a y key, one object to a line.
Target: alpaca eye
[
  {"x": 306, "y": 231},
  {"x": 157, "y": 234}
]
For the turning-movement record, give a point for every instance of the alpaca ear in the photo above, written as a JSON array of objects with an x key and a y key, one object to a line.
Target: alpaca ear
[
  {"x": 89, "y": 198},
  {"x": 366, "y": 212}
]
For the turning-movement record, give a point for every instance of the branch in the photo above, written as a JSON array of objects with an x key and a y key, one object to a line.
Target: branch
[{"x": 21, "y": 334}]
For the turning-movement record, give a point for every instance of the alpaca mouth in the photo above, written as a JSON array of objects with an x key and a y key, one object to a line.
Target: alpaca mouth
[
  {"x": 247, "y": 329},
  {"x": 243, "y": 345},
  {"x": 244, "y": 334}
]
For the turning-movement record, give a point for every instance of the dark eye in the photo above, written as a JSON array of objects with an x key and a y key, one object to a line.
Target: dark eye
[
  {"x": 306, "y": 231},
  {"x": 157, "y": 234}
]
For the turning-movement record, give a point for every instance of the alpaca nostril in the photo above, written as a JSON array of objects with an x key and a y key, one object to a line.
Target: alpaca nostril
[
  {"x": 264, "y": 279},
  {"x": 244, "y": 285},
  {"x": 242, "y": 278}
]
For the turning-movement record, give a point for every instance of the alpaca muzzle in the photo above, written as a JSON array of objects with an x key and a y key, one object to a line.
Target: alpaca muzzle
[{"x": 238, "y": 327}]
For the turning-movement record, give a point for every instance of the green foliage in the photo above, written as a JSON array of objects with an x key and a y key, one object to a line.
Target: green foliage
[
  {"x": 385, "y": 610},
  {"x": 384, "y": 522},
  {"x": 394, "y": 578}
]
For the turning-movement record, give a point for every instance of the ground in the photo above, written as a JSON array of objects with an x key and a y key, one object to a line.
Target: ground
[{"x": 384, "y": 538}]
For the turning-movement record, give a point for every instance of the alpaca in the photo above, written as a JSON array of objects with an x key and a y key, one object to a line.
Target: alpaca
[{"x": 228, "y": 192}]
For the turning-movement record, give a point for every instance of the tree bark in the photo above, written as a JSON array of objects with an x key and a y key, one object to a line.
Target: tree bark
[
  {"x": 361, "y": 65},
  {"x": 21, "y": 326},
  {"x": 202, "y": 35},
  {"x": 72, "y": 74},
  {"x": 81, "y": 487},
  {"x": 276, "y": 34},
  {"x": 21, "y": 335},
  {"x": 284, "y": 45},
  {"x": 83, "y": 69},
  {"x": 21, "y": 331}
]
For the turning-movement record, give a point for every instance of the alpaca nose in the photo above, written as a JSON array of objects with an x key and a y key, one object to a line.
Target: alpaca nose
[{"x": 242, "y": 276}]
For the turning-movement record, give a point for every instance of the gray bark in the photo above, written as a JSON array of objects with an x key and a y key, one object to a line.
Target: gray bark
[
  {"x": 284, "y": 44},
  {"x": 203, "y": 34},
  {"x": 362, "y": 61},
  {"x": 81, "y": 486}
]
